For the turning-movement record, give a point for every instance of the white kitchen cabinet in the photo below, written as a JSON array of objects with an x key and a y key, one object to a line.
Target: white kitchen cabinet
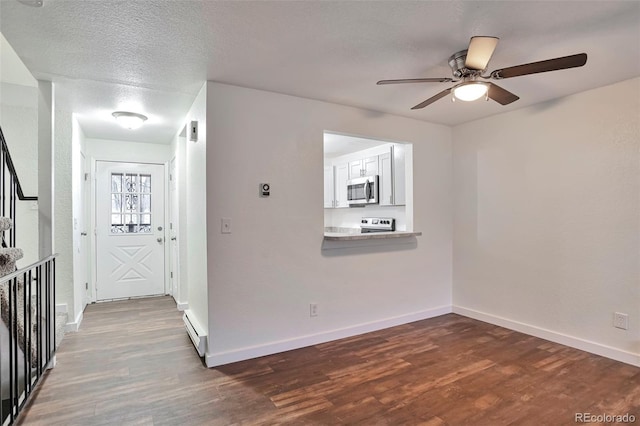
[
  {"x": 355, "y": 169},
  {"x": 340, "y": 184},
  {"x": 329, "y": 188},
  {"x": 399, "y": 175},
  {"x": 335, "y": 186},
  {"x": 370, "y": 166},
  {"x": 364, "y": 167},
  {"x": 385, "y": 182},
  {"x": 392, "y": 189}
]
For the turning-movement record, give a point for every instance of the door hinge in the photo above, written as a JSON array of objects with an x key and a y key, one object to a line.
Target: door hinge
[
  {"x": 86, "y": 176},
  {"x": 170, "y": 176},
  {"x": 86, "y": 286},
  {"x": 172, "y": 274}
]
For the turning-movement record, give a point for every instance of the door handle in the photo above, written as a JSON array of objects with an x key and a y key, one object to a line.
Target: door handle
[
  {"x": 173, "y": 238},
  {"x": 84, "y": 234},
  {"x": 159, "y": 239}
]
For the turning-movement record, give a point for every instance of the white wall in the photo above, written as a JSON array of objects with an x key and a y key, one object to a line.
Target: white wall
[
  {"x": 63, "y": 210},
  {"x": 79, "y": 216},
  {"x": 179, "y": 152},
  {"x": 194, "y": 266},
  {"x": 264, "y": 274},
  {"x": 19, "y": 122},
  {"x": 12, "y": 69},
  {"x": 547, "y": 219},
  {"x": 46, "y": 167},
  {"x": 191, "y": 223},
  {"x": 125, "y": 151}
]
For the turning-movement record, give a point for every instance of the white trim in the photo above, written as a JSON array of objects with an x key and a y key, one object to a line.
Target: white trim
[
  {"x": 554, "y": 336},
  {"x": 165, "y": 229},
  {"x": 93, "y": 275},
  {"x": 74, "y": 326},
  {"x": 221, "y": 358},
  {"x": 61, "y": 308},
  {"x": 182, "y": 306}
]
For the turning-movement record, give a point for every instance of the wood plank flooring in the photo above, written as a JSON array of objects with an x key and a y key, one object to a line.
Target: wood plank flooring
[{"x": 132, "y": 363}]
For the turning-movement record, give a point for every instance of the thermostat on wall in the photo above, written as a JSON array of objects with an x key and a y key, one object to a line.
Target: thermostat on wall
[{"x": 265, "y": 190}]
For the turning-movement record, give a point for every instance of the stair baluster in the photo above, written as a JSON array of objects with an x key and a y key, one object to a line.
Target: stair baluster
[{"x": 27, "y": 313}]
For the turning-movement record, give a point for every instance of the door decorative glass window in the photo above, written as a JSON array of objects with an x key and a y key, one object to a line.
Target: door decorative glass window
[{"x": 130, "y": 203}]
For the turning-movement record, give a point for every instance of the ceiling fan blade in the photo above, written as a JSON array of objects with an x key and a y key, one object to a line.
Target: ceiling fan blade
[
  {"x": 417, "y": 80},
  {"x": 433, "y": 99},
  {"x": 500, "y": 95},
  {"x": 572, "y": 61},
  {"x": 479, "y": 52}
]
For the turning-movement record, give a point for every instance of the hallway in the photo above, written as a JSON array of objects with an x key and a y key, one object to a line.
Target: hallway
[
  {"x": 132, "y": 363},
  {"x": 120, "y": 368}
]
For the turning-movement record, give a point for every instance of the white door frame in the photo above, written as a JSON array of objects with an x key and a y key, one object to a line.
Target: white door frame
[
  {"x": 85, "y": 245},
  {"x": 92, "y": 244},
  {"x": 174, "y": 221}
]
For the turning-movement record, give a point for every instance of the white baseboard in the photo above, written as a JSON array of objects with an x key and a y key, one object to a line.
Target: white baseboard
[
  {"x": 61, "y": 308},
  {"x": 554, "y": 336},
  {"x": 220, "y": 358},
  {"x": 182, "y": 306},
  {"x": 75, "y": 325}
]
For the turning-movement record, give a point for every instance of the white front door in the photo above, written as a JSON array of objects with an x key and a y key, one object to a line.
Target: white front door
[{"x": 129, "y": 230}]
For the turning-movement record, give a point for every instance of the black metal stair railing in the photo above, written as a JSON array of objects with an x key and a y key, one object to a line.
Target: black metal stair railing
[
  {"x": 10, "y": 191},
  {"x": 27, "y": 306},
  {"x": 30, "y": 298}
]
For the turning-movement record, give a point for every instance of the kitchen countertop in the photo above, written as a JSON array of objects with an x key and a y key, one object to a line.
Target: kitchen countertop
[{"x": 353, "y": 234}]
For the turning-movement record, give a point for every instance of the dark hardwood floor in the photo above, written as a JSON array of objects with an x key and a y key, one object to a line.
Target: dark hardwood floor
[{"x": 132, "y": 363}]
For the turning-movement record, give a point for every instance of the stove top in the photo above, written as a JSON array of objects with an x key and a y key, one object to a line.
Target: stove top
[{"x": 377, "y": 224}]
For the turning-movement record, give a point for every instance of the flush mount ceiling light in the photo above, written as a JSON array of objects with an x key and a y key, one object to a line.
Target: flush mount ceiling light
[
  {"x": 129, "y": 120},
  {"x": 470, "y": 91}
]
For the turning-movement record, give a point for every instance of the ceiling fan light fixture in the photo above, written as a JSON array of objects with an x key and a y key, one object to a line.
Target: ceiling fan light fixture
[
  {"x": 470, "y": 91},
  {"x": 129, "y": 120}
]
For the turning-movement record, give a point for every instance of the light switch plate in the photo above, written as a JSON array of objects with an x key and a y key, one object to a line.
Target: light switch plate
[
  {"x": 226, "y": 225},
  {"x": 193, "y": 131}
]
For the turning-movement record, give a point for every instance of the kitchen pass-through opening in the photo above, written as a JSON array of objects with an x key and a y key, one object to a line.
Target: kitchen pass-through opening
[{"x": 368, "y": 184}]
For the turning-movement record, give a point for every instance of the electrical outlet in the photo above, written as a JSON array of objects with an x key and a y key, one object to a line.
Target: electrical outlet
[
  {"x": 313, "y": 309},
  {"x": 621, "y": 320}
]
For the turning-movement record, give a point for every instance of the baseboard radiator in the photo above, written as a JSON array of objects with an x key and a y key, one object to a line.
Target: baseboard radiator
[{"x": 196, "y": 333}]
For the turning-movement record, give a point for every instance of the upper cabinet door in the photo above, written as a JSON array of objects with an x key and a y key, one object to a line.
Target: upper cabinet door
[
  {"x": 341, "y": 178},
  {"x": 386, "y": 179},
  {"x": 329, "y": 190},
  {"x": 370, "y": 166},
  {"x": 355, "y": 169},
  {"x": 399, "y": 175}
]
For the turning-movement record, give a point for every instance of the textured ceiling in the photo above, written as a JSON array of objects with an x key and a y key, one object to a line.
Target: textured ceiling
[{"x": 153, "y": 56}]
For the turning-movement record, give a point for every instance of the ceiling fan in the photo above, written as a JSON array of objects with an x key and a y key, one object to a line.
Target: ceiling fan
[{"x": 468, "y": 65}]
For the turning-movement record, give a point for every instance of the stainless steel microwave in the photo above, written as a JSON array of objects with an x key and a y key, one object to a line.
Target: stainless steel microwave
[{"x": 362, "y": 190}]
